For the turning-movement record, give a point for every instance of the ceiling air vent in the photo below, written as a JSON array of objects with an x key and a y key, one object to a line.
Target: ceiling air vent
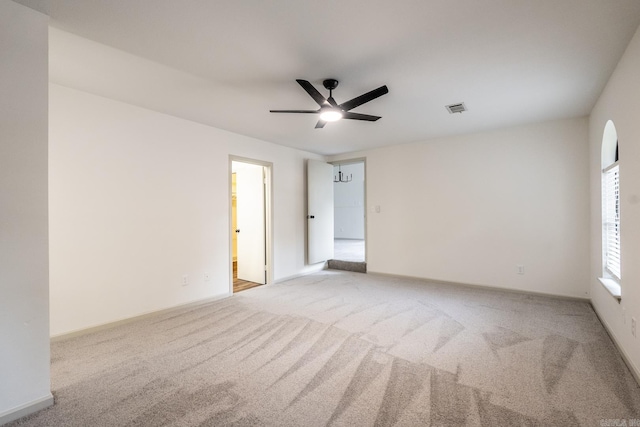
[{"x": 456, "y": 108}]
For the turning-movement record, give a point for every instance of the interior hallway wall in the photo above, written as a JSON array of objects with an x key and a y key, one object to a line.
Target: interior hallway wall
[
  {"x": 472, "y": 208},
  {"x": 620, "y": 102},
  {"x": 139, "y": 198},
  {"x": 348, "y": 199},
  {"x": 24, "y": 267}
]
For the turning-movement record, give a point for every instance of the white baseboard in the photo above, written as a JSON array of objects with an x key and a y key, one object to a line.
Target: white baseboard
[
  {"x": 477, "y": 286},
  {"x": 117, "y": 322},
  {"x": 635, "y": 371},
  {"x": 632, "y": 367},
  {"x": 306, "y": 273},
  {"x": 26, "y": 409}
]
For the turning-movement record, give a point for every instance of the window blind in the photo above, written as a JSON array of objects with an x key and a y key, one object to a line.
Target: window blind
[{"x": 611, "y": 219}]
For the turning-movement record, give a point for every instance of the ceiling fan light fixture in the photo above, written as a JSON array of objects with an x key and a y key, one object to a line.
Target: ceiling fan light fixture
[
  {"x": 330, "y": 110},
  {"x": 330, "y": 114}
]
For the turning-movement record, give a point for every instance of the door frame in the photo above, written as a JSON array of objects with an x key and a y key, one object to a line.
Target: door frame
[
  {"x": 268, "y": 216},
  {"x": 366, "y": 206}
]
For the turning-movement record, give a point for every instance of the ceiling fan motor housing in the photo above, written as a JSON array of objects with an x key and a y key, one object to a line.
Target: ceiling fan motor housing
[{"x": 330, "y": 84}]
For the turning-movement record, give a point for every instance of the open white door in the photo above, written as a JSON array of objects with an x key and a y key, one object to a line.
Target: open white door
[
  {"x": 319, "y": 211},
  {"x": 250, "y": 207}
]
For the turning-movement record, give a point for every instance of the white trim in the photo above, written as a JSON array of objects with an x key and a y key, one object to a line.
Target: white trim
[
  {"x": 26, "y": 409},
  {"x": 612, "y": 286},
  {"x": 318, "y": 267},
  {"x": 487, "y": 287},
  {"x": 635, "y": 371},
  {"x": 125, "y": 320}
]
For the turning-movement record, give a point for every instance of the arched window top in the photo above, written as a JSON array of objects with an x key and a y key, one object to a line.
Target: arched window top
[{"x": 609, "y": 145}]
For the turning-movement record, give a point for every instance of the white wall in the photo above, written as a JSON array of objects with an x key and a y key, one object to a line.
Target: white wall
[
  {"x": 620, "y": 102},
  {"x": 348, "y": 202},
  {"x": 139, "y": 198},
  {"x": 471, "y": 208},
  {"x": 24, "y": 297}
]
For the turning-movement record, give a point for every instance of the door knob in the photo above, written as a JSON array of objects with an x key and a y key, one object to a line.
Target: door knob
[{"x": 311, "y": 217}]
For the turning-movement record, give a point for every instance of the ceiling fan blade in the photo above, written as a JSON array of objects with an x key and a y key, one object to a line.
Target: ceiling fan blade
[
  {"x": 359, "y": 100},
  {"x": 313, "y": 92},
  {"x": 320, "y": 124},
  {"x": 294, "y": 111},
  {"x": 358, "y": 116}
]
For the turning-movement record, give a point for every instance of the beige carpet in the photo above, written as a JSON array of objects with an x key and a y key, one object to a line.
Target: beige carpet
[{"x": 347, "y": 349}]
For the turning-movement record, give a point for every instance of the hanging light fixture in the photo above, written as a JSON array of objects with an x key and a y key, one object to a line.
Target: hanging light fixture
[{"x": 342, "y": 177}]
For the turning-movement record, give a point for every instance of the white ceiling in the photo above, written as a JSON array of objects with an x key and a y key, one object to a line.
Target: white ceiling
[{"x": 226, "y": 63}]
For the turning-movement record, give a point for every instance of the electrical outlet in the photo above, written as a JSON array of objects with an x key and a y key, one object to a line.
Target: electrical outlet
[
  {"x": 185, "y": 280},
  {"x": 520, "y": 269},
  {"x": 633, "y": 326},
  {"x": 207, "y": 277}
]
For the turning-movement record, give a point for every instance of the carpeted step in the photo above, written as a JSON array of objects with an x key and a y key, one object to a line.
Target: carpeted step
[{"x": 358, "y": 267}]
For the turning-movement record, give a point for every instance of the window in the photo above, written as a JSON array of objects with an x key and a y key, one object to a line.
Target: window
[
  {"x": 611, "y": 249},
  {"x": 611, "y": 219}
]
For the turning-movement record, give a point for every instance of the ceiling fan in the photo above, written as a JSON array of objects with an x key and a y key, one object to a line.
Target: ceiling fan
[{"x": 330, "y": 110}]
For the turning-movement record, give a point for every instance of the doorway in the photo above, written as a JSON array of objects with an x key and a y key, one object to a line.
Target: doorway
[
  {"x": 250, "y": 224},
  {"x": 349, "y": 211}
]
